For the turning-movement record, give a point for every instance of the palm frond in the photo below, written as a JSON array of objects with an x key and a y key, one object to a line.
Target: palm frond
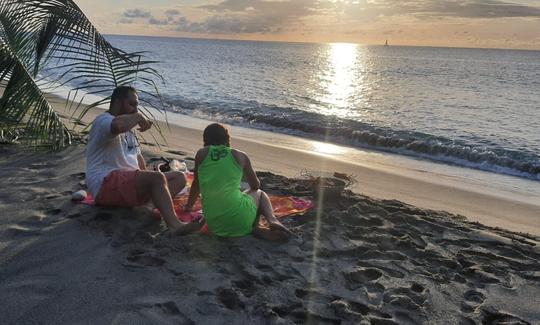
[{"x": 46, "y": 44}]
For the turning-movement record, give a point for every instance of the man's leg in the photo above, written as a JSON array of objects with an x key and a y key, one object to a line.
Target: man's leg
[
  {"x": 154, "y": 184},
  {"x": 176, "y": 181}
]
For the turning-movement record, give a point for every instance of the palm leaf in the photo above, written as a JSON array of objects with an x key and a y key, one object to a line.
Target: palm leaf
[{"x": 45, "y": 44}]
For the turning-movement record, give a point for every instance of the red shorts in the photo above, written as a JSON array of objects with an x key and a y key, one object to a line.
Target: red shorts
[{"x": 118, "y": 189}]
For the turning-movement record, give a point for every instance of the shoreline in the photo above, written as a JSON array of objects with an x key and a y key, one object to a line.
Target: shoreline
[{"x": 506, "y": 207}]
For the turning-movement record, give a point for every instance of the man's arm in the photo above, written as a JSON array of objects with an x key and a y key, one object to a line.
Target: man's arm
[{"x": 126, "y": 122}]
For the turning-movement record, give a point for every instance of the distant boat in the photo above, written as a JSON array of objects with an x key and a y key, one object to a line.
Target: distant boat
[{"x": 386, "y": 43}]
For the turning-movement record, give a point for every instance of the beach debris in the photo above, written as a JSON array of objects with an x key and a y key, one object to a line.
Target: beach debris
[
  {"x": 79, "y": 195},
  {"x": 331, "y": 184}
]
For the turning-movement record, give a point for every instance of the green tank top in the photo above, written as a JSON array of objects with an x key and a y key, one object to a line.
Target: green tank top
[{"x": 227, "y": 211}]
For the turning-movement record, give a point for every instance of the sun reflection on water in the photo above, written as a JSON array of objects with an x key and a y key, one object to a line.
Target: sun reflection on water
[{"x": 338, "y": 80}]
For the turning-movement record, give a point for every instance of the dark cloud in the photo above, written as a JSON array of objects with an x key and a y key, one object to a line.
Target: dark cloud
[
  {"x": 155, "y": 21},
  {"x": 136, "y": 13},
  {"x": 172, "y": 12}
]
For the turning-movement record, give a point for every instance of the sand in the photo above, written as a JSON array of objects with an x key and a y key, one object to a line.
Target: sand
[{"x": 354, "y": 260}]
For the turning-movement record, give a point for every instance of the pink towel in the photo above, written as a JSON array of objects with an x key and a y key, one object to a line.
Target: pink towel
[{"x": 283, "y": 206}]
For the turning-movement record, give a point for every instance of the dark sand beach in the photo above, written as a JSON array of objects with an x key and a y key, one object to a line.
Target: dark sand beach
[{"x": 355, "y": 260}]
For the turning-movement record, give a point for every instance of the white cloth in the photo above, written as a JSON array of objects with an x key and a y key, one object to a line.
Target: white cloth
[{"x": 106, "y": 152}]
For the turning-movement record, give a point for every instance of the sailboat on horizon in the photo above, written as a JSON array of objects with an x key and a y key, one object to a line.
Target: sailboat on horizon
[{"x": 386, "y": 43}]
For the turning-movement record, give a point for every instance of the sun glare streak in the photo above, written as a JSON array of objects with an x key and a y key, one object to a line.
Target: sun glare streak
[{"x": 313, "y": 277}]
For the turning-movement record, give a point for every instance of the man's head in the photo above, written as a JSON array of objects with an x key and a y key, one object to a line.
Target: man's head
[
  {"x": 124, "y": 100},
  {"x": 216, "y": 134}
]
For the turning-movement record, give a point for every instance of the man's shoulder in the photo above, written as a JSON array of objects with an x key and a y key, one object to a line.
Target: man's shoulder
[
  {"x": 105, "y": 116},
  {"x": 101, "y": 126}
]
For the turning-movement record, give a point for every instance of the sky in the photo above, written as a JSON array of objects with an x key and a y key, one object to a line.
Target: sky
[{"x": 453, "y": 23}]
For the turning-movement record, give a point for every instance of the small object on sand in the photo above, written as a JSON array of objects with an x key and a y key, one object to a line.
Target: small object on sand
[
  {"x": 172, "y": 165},
  {"x": 79, "y": 195},
  {"x": 177, "y": 165},
  {"x": 330, "y": 186}
]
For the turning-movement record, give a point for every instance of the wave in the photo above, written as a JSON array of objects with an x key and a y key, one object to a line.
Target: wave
[{"x": 522, "y": 163}]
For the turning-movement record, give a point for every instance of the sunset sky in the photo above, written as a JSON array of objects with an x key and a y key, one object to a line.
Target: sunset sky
[{"x": 467, "y": 23}]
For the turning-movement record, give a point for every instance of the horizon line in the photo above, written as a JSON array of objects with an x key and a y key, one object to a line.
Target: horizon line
[{"x": 311, "y": 42}]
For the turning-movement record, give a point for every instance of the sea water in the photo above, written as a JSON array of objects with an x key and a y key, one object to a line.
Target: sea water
[{"x": 478, "y": 108}]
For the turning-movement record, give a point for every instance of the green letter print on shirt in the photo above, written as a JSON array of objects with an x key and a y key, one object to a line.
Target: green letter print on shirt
[{"x": 218, "y": 153}]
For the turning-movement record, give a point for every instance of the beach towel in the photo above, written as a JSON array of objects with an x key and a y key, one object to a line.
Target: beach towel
[{"x": 283, "y": 205}]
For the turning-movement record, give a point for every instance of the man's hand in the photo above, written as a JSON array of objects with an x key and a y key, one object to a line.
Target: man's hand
[{"x": 144, "y": 124}]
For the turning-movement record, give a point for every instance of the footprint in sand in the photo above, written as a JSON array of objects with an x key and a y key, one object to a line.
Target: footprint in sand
[
  {"x": 358, "y": 277},
  {"x": 162, "y": 313},
  {"x": 53, "y": 212},
  {"x": 473, "y": 299},
  {"x": 20, "y": 231},
  {"x": 349, "y": 310},
  {"x": 246, "y": 286},
  {"x": 493, "y": 316},
  {"x": 357, "y": 220},
  {"x": 142, "y": 259},
  {"x": 405, "y": 298},
  {"x": 230, "y": 299},
  {"x": 35, "y": 221}
]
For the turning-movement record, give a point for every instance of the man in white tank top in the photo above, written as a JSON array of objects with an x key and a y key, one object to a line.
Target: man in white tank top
[{"x": 116, "y": 173}]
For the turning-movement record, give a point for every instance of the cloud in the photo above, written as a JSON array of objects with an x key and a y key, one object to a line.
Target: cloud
[
  {"x": 155, "y": 21},
  {"x": 286, "y": 8},
  {"x": 125, "y": 21},
  {"x": 482, "y": 9},
  {"x": 439, "y": 9},
  {"x": 136, "y": 13},
  {"x": 230, "y": 24},
  {"x": 252, "y": 16},
  {"x": 172, "y": 12},
  {"x": 234, "y": 17}
]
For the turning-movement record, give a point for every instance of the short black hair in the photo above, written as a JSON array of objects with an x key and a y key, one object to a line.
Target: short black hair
[
  {"x": 216, "y": 134},
  {"x": 122, "y": 92}
]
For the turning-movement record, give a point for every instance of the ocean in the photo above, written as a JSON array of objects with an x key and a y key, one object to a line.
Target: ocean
[{"x": 477, "y": 108}]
